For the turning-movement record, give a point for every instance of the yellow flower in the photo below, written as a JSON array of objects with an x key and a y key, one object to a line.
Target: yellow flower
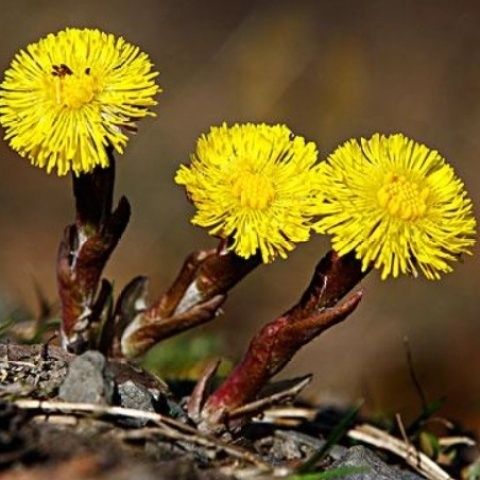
[
  {"x": 397, "y": 204},
  {"x": 68, "y": 96},
  {"x": 253, "y": 184}
]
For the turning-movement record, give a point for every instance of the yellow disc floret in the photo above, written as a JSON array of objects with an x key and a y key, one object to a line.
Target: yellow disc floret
[
  {"x": 254, "y": 186},
  {"x": 253, "y": 190},
  {"x": 74, "y": 91},
  {"x": 397, "y": 204},
  {"x": 402, "y": 198},
  {"x": 67, "y": 97}
]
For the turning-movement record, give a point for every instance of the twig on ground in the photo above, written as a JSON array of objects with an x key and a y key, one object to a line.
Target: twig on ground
[
  {"x": 405, "y": 438},
  {"x": 259, "y": 406},
  {"x": 200, "y": 440},
  {"x": 454, "y": 441},
  {"x": 291, "y": 416},
  {"x": 416, "y": 459},
  {"x": 167, "y": 426}
]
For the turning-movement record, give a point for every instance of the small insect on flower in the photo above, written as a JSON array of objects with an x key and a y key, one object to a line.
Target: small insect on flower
[
  {"x": 71, "y": 94},
  {"x": 397, "y": 204},
  {"x": 253, "y": 185}
]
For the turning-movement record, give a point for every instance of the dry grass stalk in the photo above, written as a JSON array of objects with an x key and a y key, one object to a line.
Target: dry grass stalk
[{"x": 416, "y": 459}]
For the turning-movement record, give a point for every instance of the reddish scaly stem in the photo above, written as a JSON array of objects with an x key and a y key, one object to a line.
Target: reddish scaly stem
[
  {"x": 333, "y": 278},
  {"x": 193, "y": 299},
  {"x": 274, "y": 346},
  {"x": 204, "y": 274},
  {"x": 84, "y": 252}
]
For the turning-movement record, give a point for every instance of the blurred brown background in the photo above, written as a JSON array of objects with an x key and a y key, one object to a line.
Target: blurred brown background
[{"x": 330, "y": 70}]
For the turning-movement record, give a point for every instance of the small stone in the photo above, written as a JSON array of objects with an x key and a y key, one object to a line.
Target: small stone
[
  {"x": 286, "y": 449},
  {"x": 136, "y": 396},
  {"x": 88, "y": 380},
  {"x": 306, "y": 444},
  {"x": 375, "y": 467}
]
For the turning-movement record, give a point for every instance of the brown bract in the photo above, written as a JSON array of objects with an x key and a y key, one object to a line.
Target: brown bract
[{"x": 194, "y": 298}]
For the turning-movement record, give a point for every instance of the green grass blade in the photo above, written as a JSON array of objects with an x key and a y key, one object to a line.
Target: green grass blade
[
  {"x": 336, "y": 434},
  {"x": 340, "y": 472}
]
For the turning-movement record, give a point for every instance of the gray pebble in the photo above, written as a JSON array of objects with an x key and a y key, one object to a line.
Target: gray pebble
[
  {"x": 88, "y": 380},
  {"x": 375, "y": 467}
]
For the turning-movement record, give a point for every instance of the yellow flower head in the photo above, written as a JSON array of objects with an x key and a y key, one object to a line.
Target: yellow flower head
[
  {"x": 66, "y": 97},
  {"x": 397, "y": 204},
  {"x": 253, "y": 184}
]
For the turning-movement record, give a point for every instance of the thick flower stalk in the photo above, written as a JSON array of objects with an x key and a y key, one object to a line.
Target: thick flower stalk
[
  {"x": 397, "y": 204},
  {"x": 253, "y": 186},
  {"x": 83, "y": 254},
  {"x": 278, "y": 341},
  {"x": 71, "y": 94}
]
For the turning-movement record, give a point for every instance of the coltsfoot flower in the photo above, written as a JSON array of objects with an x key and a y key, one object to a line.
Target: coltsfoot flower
[
  {"x": 68, "y": 96},
  {"x": 253, "y": 185},
  {"x": 397, "y": 204}
]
